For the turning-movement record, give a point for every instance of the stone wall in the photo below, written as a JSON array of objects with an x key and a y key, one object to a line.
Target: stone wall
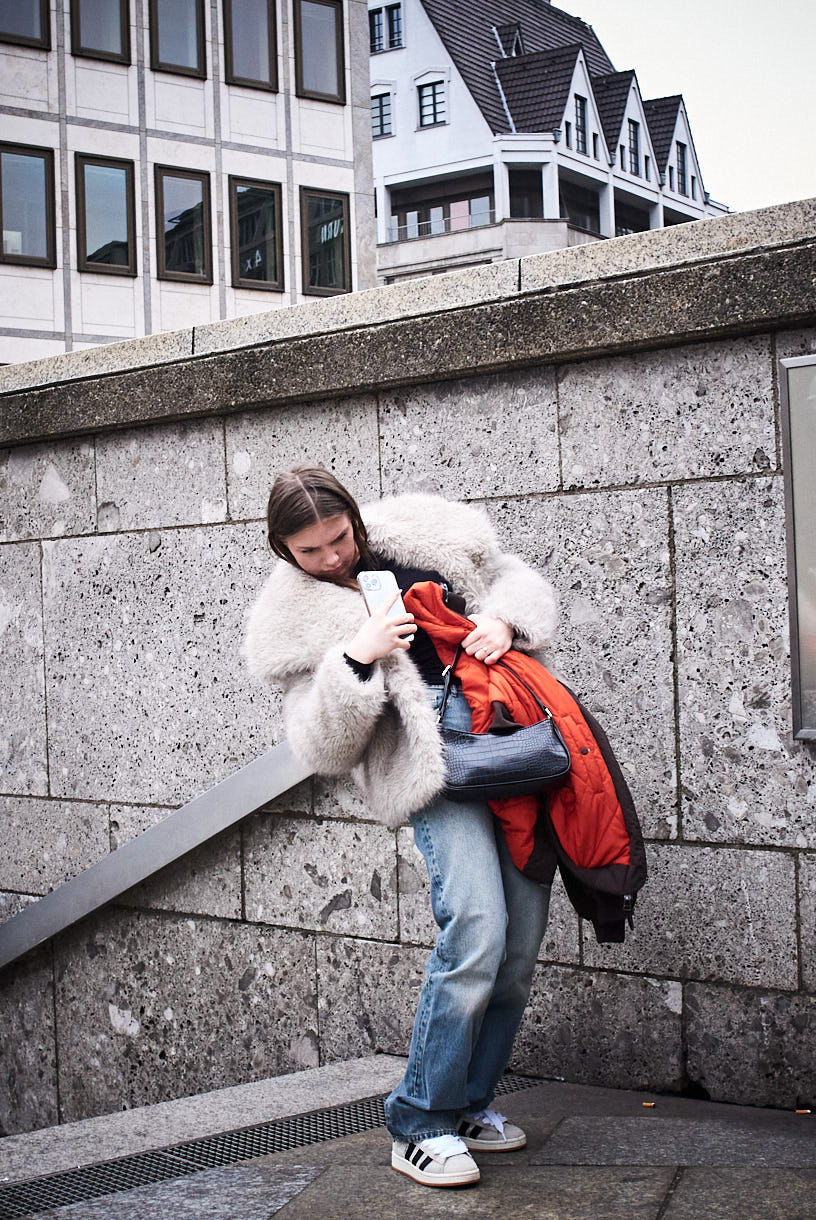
[{"x": 615, "y": 408}]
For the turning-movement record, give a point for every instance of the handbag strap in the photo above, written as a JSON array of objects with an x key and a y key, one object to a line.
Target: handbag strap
[{"x": 447, "y": 676}]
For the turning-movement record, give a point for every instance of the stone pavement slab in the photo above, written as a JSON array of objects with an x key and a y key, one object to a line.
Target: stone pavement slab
[
  {"x": 244, "y": 1192},
  {"x": 744, "y": 1194}
]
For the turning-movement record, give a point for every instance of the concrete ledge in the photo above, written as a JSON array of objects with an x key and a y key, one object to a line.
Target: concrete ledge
[
  {"x": 733, "y": 295},
  {"x": 56, "y": 1149}
]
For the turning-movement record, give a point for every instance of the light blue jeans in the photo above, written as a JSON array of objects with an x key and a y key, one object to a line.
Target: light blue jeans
[{"x": 491, "y": 923}]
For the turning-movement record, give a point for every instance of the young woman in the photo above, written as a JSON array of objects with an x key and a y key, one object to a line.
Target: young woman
[{"x": 360, "y": 699}]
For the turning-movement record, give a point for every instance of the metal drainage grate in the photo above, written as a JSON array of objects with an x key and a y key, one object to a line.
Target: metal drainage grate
[{"x": 146, "y": 1168}]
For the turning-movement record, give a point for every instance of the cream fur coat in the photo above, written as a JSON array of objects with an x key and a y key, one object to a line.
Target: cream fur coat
[{"x": 382, "y": 731}]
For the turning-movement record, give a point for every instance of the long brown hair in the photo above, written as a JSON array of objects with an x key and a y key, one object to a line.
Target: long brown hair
[{"x": 306, "y": 494}]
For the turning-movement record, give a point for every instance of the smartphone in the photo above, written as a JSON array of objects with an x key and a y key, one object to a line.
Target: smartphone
[{"x": 379, "y": 587}]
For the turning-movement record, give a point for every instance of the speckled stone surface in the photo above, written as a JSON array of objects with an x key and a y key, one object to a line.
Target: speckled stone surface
[
  {"x": 711, "y": 913},
  {"x": 705, "y": 409},
  {"x": 46, "y": 842},
  {"x": 368, "y": 996},
  {"x": 796, "y": 342},
  {"x": 735, "y": 1194},
  {"x": 23, "y": 764},
  {"x": 744, "y": 778},
  {"x": 752, "y": 1047},
  {"x": 161, "y": 476},
  {"x": 639, "y": 252},
  {"x": 595, "y": 1028},
  {"x": 607, "y": 556},
  {"x": 340, "y": 435},
  {"x": 431, "y": 294},
  {"x": 94, "y": 361},
  {"x": 206, "y": 881},
  {"x": 236, "y": 1192},
  {"x": 417, "y": 924},
  {"x": 28, "y": 1079},
  {"x": 149, "y": 700},
  {"x": 46, "y": 490},
  {"x": 152, "y": 1006},
  {"x": 340, "y": 798},
  {"x": 807, "y": 913},
  {"x": 326, "y": 876},
  {"x": 484, "y": 436},
  {"x": 655, "y": 1139}
]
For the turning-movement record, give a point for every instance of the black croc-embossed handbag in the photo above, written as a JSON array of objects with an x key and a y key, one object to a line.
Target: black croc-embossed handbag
[{"x": 509, "y": 760}]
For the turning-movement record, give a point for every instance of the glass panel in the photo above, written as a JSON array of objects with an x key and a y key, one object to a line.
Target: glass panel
[
  {"x": 250, "y": 40},
  {"x": 106, "y": 219},
  {"x": 319, "y": 27},
  {"x": 184, "y": 225},
  {"x": 178, "y": 32},
  {"x": 21, "y": 18},
  {"x": 25, "y": 229},
  {"x": 100, "y": 26},
  {"x": 395, "y": 26},
  {"x": 480, "y": 210},
  {"x": 327, "y": 242},
  {"x": 257, "y": 248},
  {"x": 460, "y": 214},
  {"x": 802, "y": 398},
  {"x": 436, "y": 217},
  {"x": 375, "y": 29}
]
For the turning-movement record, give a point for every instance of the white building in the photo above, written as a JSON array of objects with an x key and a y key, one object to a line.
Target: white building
[
  {"x": 165, "y": 163},
  {"x": 501, "y": 129}
]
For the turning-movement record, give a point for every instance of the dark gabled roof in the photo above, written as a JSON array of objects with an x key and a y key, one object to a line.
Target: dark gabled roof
[
  {"x": 467, "y": 33},
  {"x": 536, "y": 87},
  {"x": 611, "y": 95},
  {"x": 661, "y": 117}
]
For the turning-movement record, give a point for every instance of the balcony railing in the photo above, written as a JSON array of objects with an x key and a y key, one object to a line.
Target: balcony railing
[{"x": 439, "y": 226}]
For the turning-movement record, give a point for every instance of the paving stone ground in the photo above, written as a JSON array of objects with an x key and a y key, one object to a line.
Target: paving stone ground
[{"x": 592, "y": 1154}]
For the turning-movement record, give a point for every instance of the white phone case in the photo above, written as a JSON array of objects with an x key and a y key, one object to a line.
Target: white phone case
[{"x": 379, "y": 587}]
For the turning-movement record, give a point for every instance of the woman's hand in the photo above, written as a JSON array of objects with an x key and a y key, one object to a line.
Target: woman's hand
[
  {"x": 489, "y": 640},
  {"x": 381, "y": 634}
]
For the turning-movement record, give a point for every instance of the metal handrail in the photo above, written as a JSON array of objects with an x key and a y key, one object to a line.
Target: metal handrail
[
  {"x": 438, "y": 228},
  {"x": 220, "y": 807}
]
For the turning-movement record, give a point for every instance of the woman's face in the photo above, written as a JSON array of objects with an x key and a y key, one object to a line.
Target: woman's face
[{"x": 326, "y": 549}]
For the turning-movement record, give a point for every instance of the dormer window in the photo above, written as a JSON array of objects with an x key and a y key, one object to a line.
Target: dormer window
[
  {"x": 634, "y": 147},
  {"x": 682, "y": 189},
  {"x": 580, "y": 124}
]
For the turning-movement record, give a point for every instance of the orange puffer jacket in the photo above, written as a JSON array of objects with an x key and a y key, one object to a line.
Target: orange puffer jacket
[{"x": 591, "y": 812}]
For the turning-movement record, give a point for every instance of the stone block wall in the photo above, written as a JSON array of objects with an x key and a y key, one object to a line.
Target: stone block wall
[{"x": 637, "y": 464}]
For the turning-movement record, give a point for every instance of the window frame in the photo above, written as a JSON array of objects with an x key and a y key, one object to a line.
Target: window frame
[
  {"x": 634, "y": 148},
  {"x": 230, "y": 76},
  {"x": 159, "y": 65},
  {"x": 338, "y": 98},
  {"x": 378, "y": 97},
  {"x": 83, "y": 265},
  {"x": 389, "y": 10},
  {"x": 376, "y": 17},
  {"x": 49, "y": 260},
  {"x": 682, "y": 167},
  {"x": 433, "y": 85},
  {"x": 79, "y": 51},
  {"x": 44, "y": 42},
  {"x": 580, "y": 124},
  {"x": 307, "y": 192},
  {"x": 233, "y": 182},
  {"x": 182, "y": 277}
]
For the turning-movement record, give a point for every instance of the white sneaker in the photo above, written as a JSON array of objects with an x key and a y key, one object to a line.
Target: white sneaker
[
  {"x": 488, "y": 1131},
  {"x": 442, "y": 1160}
]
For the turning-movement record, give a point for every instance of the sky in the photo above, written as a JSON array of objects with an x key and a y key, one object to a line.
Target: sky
[{"x": 747, "y": 72}]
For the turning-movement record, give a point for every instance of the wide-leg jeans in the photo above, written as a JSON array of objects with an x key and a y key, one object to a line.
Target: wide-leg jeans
[{"x": 491, "y": 923}]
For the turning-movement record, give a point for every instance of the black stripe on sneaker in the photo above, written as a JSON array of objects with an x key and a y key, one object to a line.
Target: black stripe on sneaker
[
  {"x": 423, "y": 1165},
  {"x": 416, "y": 1155},
  {"x": 409, "y": 1150}
]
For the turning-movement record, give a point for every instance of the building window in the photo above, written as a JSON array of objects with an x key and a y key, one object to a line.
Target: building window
[
  {"x": 425, "y": 211},
  {"x": 634, "y": 147},
  {"x": 671, "y": 177},
  {"x": 693, "y": 187},
  {"x": 385, "y": 28},
  {"x": 319, "y": 60},
  {"x": 681, "y": 169},
  {"x": 27, "y": 206},
  {"x": 100, "y": 29},
  {"x": 431, "y": 103},
  {"x": 580, "y": 124},
  {"x": 26, "y": 22},
  {"x": 326, "y": 252},
  {"x": 595, "y": 146},
  {"x": 381, "y": 115},
  {"x": 579, "y": 206},
  {"x": 568, "y": 134},
  {"x": 256, "y": 234},
  {"x": 629, "y": 219},
  {"x": 798, "y": 417},
  {"x": 647, "y": 164},
  {"x": 526, "y": 193},
  {"x": 622, "y": 151},
  {"x": 183, "y": 229},
  {"x": 250, "y": 48},
  {"x": 177, "y": 37},
  {"x": 106, "y": 227}
]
